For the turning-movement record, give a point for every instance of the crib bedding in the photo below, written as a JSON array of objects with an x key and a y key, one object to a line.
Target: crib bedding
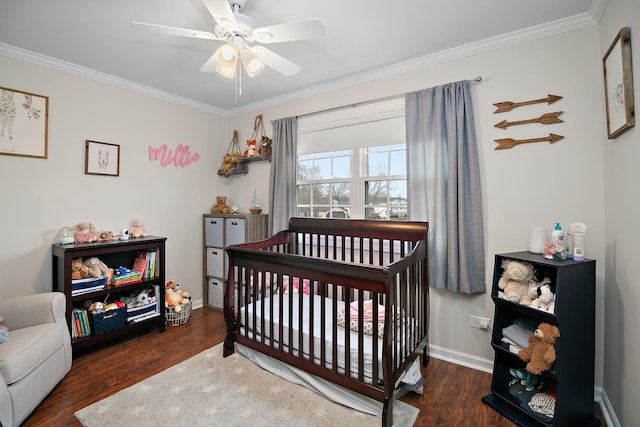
[
  {"x": 321, "y": 386},
  {"x": 263, "y": 311}
]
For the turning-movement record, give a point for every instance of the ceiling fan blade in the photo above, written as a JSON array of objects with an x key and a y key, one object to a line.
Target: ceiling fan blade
[
  {"x": 175, "y": 31},
  {"x": 210, "y": 65},
  {"x": 275, "y": 61},
  {"x": 298, "y": 30},
  {"x": 222, "y": 13}
]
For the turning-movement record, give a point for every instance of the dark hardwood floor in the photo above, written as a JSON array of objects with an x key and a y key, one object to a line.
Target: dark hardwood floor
[{"x": 451, "y": 395}]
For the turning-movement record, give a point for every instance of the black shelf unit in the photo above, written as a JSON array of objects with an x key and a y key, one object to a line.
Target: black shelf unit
[
  {"x": 113, "y": 253},
  {"x": 573, "y": 283}
]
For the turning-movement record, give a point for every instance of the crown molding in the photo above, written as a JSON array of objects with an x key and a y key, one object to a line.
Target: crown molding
[
  {"x": 521, "y": 36},
  {"x": 57, "y": 64}
]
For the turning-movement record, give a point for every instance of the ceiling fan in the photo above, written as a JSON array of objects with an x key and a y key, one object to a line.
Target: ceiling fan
[{"x": 239, "y": 32}]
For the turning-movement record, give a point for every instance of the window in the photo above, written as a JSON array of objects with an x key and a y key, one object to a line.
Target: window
[{"x": 352, "y": 164}]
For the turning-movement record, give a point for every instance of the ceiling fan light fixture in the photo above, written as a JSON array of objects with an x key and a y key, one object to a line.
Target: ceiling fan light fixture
[
  {"x": 227, "y": 57},
  {"x": 252, "y": 64}
]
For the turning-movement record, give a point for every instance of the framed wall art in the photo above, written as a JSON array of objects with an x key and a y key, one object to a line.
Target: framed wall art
[
  {"x": 102, "y": 158},
  {"x": 24, "y": 120},
  {"x": 618, "y": 85}
]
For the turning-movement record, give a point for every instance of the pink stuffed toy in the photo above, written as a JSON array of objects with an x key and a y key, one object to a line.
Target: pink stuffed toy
[
  {"x": 296, "y": 285},
  {"x": 85, "y": 232},
  {"x": 137, "y": 229}
]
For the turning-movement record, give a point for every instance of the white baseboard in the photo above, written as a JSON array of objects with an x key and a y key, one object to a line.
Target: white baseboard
[
  {"x": 459, "y": 358},
  {"x": 607, "y": 410}
]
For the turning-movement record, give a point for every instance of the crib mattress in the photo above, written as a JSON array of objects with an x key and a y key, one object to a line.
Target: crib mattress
[{"x": 264, "y": 311}]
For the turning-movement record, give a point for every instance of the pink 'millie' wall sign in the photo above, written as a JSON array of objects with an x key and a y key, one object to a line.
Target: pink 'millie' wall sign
[{"x": 181, "y": 157}]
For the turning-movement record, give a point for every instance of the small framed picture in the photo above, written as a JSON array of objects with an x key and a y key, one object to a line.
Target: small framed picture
[
  {"x": 618, "y": 85},
  {"x": 24, "y": 119},
  {"x": 102, "y": 158}
]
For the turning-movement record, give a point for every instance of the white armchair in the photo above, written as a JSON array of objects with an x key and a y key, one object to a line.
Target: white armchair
[{"x": 37, "y": 355}]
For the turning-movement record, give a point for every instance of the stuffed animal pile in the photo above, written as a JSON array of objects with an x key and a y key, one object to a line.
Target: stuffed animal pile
[{"x": 541, "y": 352}]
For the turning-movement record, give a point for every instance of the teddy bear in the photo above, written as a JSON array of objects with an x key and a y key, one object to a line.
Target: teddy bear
[
  {"x": 85, "y": 232},
  {"x": 95, "y": 267},
  {"x": 541, "y": 353},
  {"x": 78, "y": 269},
  {"x": 220, "y": 206},
  {"x": 174, "y": 296},
  {"x": 546, "y": 300},
  {"x": 517, "y": 282},
  {"x": 137, "y": 229}
]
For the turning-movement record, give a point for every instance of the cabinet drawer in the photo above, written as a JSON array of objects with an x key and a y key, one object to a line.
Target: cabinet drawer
[
  {"x": 234, "y": 228},
  {"x": 215, "y": 262},
  {"x": 214, "y": 232},
  {"x": 216, "y": 293}
]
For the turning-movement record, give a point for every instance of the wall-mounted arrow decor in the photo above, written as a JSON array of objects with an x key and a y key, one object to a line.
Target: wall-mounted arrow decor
[
  {"x": 508, "y": 105},
  {"x": 545, "y": 119},
  {"x": 505, "y": 143}
]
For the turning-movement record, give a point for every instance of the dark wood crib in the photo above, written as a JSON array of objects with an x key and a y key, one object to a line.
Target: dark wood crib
[{"x": 307, "y": 294}]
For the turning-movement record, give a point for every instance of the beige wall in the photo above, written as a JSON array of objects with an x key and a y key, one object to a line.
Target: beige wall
[
  {"x": 40, "y": 196},
  {"x": 622, "y": 206}
]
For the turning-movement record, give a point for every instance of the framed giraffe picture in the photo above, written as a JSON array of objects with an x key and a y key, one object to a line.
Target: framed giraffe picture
[
  {"x": 101, "y": 158},
  {"x": 24, "y": 120}
]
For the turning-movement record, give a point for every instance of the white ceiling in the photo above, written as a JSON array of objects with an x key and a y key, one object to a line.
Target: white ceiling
[{"x": 364, "y": 38}]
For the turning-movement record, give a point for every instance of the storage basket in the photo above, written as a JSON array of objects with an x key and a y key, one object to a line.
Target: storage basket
[
  {"x": 108, "y": 321},
  {"x": 176, "y": 318}
]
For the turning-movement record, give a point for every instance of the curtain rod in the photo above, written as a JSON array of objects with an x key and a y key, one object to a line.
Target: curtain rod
[{"x": 371, "y": 101}]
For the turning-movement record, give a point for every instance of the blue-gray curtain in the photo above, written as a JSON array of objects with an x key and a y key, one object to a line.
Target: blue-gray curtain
[
  {"x": 444, "y": 184},
  {"x": 282, "y": 180}
]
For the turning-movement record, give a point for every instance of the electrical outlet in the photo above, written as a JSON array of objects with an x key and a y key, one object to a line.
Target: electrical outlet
[{"x": 478, "y": 322}]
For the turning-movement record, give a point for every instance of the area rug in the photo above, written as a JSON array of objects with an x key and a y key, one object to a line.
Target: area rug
[{"x": 208, "y": 389}]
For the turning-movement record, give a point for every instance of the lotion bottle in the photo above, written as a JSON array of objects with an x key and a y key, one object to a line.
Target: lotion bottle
[{"x": 556, "y": 234}]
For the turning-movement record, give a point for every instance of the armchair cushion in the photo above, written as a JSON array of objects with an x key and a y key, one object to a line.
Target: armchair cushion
[{"x": 29, "y": 347}]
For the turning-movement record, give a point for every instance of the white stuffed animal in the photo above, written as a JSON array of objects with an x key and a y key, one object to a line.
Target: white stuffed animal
[{"x": 546, "y": 301}]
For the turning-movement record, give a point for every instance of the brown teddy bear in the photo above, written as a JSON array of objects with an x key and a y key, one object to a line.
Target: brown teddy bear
[
  {"x": 541, "y": 352},
  {"x": 78, "y": 269},
  {"x": 220, "y": 206},
  {"x": 517, "y": 282}
]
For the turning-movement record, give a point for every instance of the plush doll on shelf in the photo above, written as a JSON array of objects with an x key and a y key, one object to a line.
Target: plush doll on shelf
[
  {"x": 85, "y": 232},
  {"x": 250, "y": 151},
  {"x": 95, "y": 267},
  {"x": 78, "y": 269},
  {"x": 546, "y": 300},
  {"x": 137, "y": 229},
  {"x": 517, "y": 283},
  {"x": 541, "y": 352},
  {"x": 220, "y": 205},
  {"x": 96, "y": 307}
]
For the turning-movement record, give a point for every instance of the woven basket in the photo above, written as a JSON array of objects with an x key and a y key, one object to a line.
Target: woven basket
[{"x": 177, "y": 318}]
